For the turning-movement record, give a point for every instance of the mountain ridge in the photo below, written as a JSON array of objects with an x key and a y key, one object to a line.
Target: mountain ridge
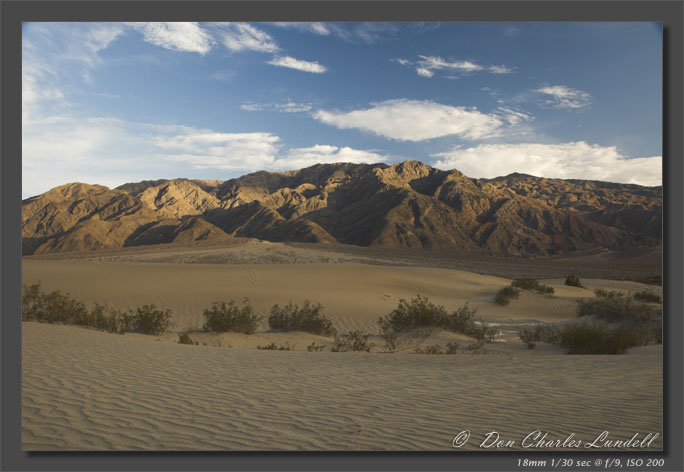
[{"x": 409, "y": 205}]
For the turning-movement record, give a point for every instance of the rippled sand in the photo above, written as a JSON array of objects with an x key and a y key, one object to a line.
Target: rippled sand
[{"x": 88, "y": 390}]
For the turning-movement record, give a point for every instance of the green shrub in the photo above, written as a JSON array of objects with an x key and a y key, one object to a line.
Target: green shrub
[
  {"x": 647, "y": 296},
  {"x": 616, "y": 307},
  {"x": 506, "y": 294},
  {"x": 309, "y": 318},
  {"x": 313, "y": 347},
  {"x": 573, "y": 281},
  {"x": 462, "y": 320},
  {"x": 353, "y": 341},
  {"x": 598, "y": 339},
  {"x": 184, "y": 338},
  {"x": 148, "y": 320},
  {"x": 222, "y": 317}
]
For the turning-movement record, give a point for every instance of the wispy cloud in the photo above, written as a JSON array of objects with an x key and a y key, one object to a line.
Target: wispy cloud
[
  {"x": 565, "y": 98},
  {"x": 245, "y": 37},
  {"x": 310, "y": 27},
  {"x": 426, "y": 66},
  {"x": 501, "y": 69},
  {"x": 178, "y": 36},
  {"x": 413, "y": 120},
  {"x": 298, "y": 64},
  {"x": 289, "y": 106},
  {"x": 573, "y": 160}
]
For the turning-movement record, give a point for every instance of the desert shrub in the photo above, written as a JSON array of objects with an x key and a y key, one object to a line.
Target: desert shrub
[
  {"x": 433, "y": 349},
  {"x": 222, "y": 317},
  {"x": 109, "y": 319},
  {"x": 313, "y": 347},
  {"x": 53, "y": 307},
  {"x": 598, "y": 339},
  {"x": 573, "y": 281},
  {"x": 506, "y": 294},
  {"x": 540, "y": 332},
  {"x": 532, "y": 284},
  {"x": 390, "y": 341},
  {"x": 148, "y": 320},
  {"x": 647, "y": 296},
  {"x": 353, "y": 341},
  {"x": 462, "y": 320},
  {"x": 274, "y": 347},
  {"x": 525, "y": 283},
  {"x": 419, "y": 312},
  {"x": 420, "y": 316},
  {"x": 184, "y": 338},
  {"x": 616, "y": 307},
  {"x": 309, "y": 318},
  {"x": 452, "y": 348}
]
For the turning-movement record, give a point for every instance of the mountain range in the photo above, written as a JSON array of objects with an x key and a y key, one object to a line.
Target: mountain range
[{"x": 405, "y": 205}]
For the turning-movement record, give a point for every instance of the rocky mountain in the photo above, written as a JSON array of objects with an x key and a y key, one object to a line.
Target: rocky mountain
[{"x": 406, "y": 205}]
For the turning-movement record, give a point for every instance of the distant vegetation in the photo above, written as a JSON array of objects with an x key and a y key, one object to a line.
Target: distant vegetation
[
  {"x": 647, "y": 296},
  {"x": 619, "y": 323},
  {"x": 532, "y": 284},
  {"x": 309, "y": 318},
  {"x": 184, "y": 338},
  {"x": 506, "y": 294},
  {"x": 222, "y": 317},
  {"x": 573, "y": 281},
  {"x": 58, "y": 307},
  {"x": 352, "y": 341}
]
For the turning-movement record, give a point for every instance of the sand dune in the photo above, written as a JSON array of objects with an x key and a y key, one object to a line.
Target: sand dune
[
  {"x": 100, "y": 391},
  {"x": 354, "y": 295},
  {"x": 89, "y": 390}
]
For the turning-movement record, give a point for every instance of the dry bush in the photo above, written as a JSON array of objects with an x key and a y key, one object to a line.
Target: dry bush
[
  {"x": 506, "y": 294},
  {"x": 309, "y": 318},
  {"x": 222, "y": 317}
]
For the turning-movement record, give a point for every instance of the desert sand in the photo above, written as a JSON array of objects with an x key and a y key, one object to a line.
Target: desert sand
[{"x": 90, "y": 390}]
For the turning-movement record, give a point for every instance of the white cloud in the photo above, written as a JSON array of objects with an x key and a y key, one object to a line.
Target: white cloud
[
  {"x": 424, "y": 72},
  {"x": 287, "y": 107},
  {"x": 298, "y": 64},
  {"x": 427, "y": 65},
  {"x": 177, "y": 36},
  {"x": 311, "y": 27},
  {"x": 413, "y": 120},
  {"x": 500, "y": 69},
  {"x": 436, "y": 63},
  {"x": 513, "y": 116},
  {"x": 565, "y": 98},
  {"x": 298, "y": 158},
  {"x": 573, "y": 160},
  {"x": 242, "y": 36}
]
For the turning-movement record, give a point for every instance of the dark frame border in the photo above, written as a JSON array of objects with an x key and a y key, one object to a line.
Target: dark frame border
[{"x": 14, "y": 12}]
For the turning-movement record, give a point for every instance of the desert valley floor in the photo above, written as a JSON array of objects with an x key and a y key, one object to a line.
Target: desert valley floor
[{"x": 89, "y": 390}]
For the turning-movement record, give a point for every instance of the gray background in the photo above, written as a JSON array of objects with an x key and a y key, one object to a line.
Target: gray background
[{"x": 13, "y": 13}]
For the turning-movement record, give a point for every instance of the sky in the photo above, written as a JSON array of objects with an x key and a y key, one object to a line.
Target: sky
[{"x": 110, "y": 103}]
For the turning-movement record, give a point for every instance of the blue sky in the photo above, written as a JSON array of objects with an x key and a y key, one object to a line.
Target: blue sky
[{"x": 110, "y": 103}]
